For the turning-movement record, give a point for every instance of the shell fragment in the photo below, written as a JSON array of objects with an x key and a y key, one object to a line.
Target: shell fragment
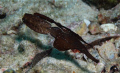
[{"x": 108, "y": 27}]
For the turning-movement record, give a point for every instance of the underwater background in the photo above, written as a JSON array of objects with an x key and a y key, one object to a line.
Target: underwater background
[{"x": 90, "y": 19}]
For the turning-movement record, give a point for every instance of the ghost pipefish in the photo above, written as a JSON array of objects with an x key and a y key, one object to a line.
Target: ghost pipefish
[{"x": 65, "y": 38}]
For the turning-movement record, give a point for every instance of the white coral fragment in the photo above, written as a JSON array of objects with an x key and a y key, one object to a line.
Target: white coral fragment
[
  {"x": 109, "y": 26},
  {"x": 87, "y": 22}
]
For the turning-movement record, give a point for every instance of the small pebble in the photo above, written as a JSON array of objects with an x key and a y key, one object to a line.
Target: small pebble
[
  {"x": 109, "y": 26},
  {"x": 87, "y": 22},
  {"x": 94, "y": 28}
]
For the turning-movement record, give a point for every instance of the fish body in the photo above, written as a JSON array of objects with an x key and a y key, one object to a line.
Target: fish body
[{"x": 65, "y": 38}]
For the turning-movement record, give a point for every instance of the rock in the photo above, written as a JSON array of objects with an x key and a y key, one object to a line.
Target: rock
[
  {"x": 2, "y": 69},
  {"x": 11, "y": 32},
  {"x": 82, "y": 29},
  {"x": 21, "y": 48},
  {"x": 7, "y": 41},
  {"x": 9, "y": 71},
  {"x": 94, "y": 28},
  {"x": 19, "y": 70},
  {"x": 100, "y": 67},
  {"x": 106, "y": 4},
  {"x": 87, "y": 22},
  {"x": 14, "y": 59},
  {"x": 108, "y": 51},
  {"x": 109, "y": 26},
  {"x": 91, "y": 67},
  {"x": 102, "y": 19}
]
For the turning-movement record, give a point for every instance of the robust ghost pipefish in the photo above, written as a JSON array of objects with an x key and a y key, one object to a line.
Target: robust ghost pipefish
[{"x": 65, "y": 38}]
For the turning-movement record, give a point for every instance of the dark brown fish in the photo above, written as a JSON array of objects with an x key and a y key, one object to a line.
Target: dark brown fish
[
  {"x": 65, "y": 38},
  {"x": 38, "y": 57},
  {"x": 37, "y": 24},
  {"x": 100, "y": 41}
]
